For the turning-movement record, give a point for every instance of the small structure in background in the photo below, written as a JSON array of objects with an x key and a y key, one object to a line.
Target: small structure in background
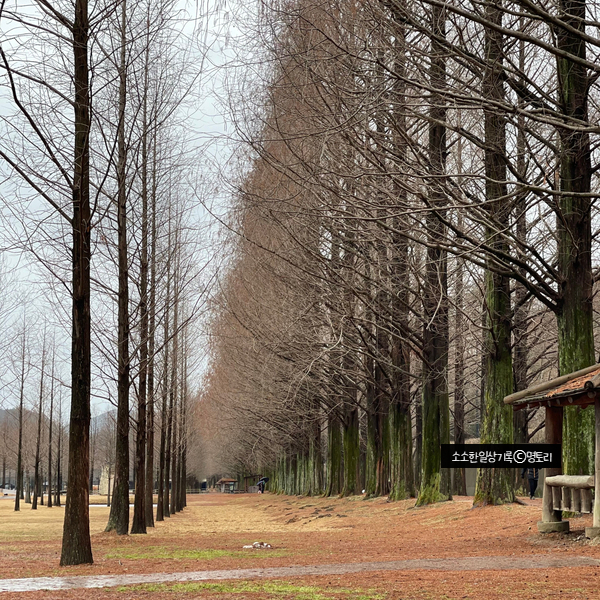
[
  {"x": 250, "y": 483},
  {"x": 227, "y": 485},
  {"x": 107, "y": 482},
  {"x": 565, "y": 492}
]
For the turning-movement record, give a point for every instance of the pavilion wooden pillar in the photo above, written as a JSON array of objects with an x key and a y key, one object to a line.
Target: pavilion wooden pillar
[
  {"x": 594, "y": 530},
  {"x": 552, "y": 519}
]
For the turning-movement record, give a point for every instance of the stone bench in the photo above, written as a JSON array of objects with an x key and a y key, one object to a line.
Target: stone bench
[{"x": 572, "y": 492}]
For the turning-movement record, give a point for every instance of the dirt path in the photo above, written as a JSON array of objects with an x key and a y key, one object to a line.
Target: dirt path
[
  {"x": 473, "y": 563},
  {"x": 342, "y": 549}
]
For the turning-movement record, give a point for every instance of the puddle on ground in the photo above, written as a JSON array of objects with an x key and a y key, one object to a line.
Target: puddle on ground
[
  {"x": 104, "y": 505},
  {"x": 471, "y": 563}
]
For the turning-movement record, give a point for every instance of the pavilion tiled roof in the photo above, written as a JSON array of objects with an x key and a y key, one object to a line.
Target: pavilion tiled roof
[
  {"x": 575, "y": 385},
  {"x": 578, "y": 387}
]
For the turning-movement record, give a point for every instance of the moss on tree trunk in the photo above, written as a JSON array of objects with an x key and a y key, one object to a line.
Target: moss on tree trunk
[
  {"x": 435, "y": 485},
  {"x": 351, "y": 441},
  {"x": 401, "y": 468},
  {"x": 334, "y": 457},
  {"x": 494, "y": 485},
  {"x": 315, "y": 460},
  {"x": 575, "y": 315}
]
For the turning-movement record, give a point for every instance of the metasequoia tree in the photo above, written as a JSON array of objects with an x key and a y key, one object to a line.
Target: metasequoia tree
[
  {"x": 574, "y": 224},
  {"x": 67, "y": 193},
  {"x": 436, "y": 417},
  {"x": 119, "y": 511},
  {"x": 496, "y": 485},
  {"x": 400, "y": 417},
  {"x": 19, "y": 486},
  {"x": 52, "y": 388},
  {"x": 57, "y": 501},
  {"x": 37, "y": 474},
  {"x": 162, "y": 508}
]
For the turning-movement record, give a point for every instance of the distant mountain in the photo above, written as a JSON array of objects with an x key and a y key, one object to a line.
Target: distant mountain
[{"x": 9, "y": 414}]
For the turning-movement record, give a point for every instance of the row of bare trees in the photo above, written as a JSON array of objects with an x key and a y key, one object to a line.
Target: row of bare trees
[
  {"x": 32, "y": 430},
  {"x": 97, "y": 153},
  {"x": 412, "y": 242}
]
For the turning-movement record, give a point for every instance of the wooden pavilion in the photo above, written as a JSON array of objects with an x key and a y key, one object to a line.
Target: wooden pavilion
[
  {"x": 565, "y": 492},
  {"x": 227, "y": 485}
]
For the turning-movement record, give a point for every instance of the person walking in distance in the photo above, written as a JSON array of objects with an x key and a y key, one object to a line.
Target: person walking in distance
[
  {"x": 261, "y": 484},
  {"x": 533, "y": 475}
]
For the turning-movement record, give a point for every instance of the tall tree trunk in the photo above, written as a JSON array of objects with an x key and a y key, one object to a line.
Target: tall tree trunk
[
  {"x": 380, "y": 431},
  {"x": 163, "y": 481},
  {"x": 460, "y": 477},
  {"x": 58, "y": 454},
  {"x": 418, "y": 458},
  {"x": 435, "y": 481},
  {"x": 380, "y": 415},
  {"x": 460, "y": 482},
  {"x": 118, "y": 519},
  {"x": 181, "y": 476},
  {"x": 183, "y": 463},
  {"x": 41, "y": 486},
  {"x": 93, "y": 440},
  {"x": 381, "y": 406},
  {"x": 520, "y": 341},
  {"x": 50, "y": 434},
  {"x": 108, "y": 484},
  {"x": 19, "y": 490},
  {"x": 175, "y": 456},
  {"x": 162, "y": 509},
  {"x": 315, "y": 458},
  {"x": 178, "y": 447},
  {"x": 401, "y": 466},
  {"x": 575, "y": 315},
  {"x": 351, "y": 443},
  {"x": 76, "y": 543},
  {"x": 482, "y": 366},
  {"x": 334, "y": 456},
  {"x": 183, "y": 432},
  {"x": 139, "y": 508},
  {"x": 350, "y": 416},
  {"x": 371, "y": 413},
  {"x": 151, "y": 353},
  {"x": 174, "y": 387},
  {"x": 36, "y": 485},
  {"x": 495, "y": 486}
]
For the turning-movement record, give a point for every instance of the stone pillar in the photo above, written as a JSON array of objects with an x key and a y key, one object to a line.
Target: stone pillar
[
  {"x": 552, "y": 519},
  {"x": 594, "y": 531}
]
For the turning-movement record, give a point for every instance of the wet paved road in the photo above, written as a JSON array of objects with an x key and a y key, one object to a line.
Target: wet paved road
[{"x": 473, "y": 563}]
